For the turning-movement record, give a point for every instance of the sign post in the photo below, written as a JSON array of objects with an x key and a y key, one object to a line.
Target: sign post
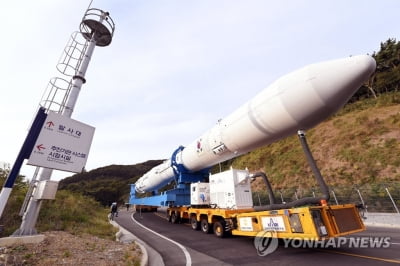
[{"x": 63, "y": 144}]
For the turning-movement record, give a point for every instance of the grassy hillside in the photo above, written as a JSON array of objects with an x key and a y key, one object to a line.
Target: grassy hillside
[
  {"x": 76, "y": 214},
  {"x": 70, "y": 212}
]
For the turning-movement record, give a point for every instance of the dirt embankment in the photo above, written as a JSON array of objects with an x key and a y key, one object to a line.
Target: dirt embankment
[{"x": 61, "y": 248}]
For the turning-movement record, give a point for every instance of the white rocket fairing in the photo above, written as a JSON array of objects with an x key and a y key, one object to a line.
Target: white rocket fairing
[{"x": 297, "y": 101}]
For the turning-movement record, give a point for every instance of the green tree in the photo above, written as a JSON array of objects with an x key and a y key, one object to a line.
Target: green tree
[{"x": 386, "y": 78}]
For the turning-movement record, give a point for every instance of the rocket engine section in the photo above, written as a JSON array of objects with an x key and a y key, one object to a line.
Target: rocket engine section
[{"x": 297, "y": 101}]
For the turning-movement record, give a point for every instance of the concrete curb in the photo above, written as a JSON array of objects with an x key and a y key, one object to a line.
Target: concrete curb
[
  {"x": 388, "y": 220},
  {"x": 33, "y": 239},
  {"x": 126, "y": 237},
  {"x": 382, "y": 225}
]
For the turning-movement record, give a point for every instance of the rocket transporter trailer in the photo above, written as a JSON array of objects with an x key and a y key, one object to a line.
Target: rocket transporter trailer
[
  {"x": 295, "y": 102},
  {"x": 311, "y": 223},
  {"x": 227, "y": 212}
]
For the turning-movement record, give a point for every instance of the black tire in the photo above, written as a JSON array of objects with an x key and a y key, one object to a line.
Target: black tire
[
  {"x": 174, "y": 218},
  {"x": 219, "y": 229},
  {"x": 205, "y": 226},
  {"x": 194, "y": 223}
]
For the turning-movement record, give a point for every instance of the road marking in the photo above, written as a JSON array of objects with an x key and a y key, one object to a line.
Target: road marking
[
  {"x": 162, "y": 216},
  {"x": 184, "y": 250},
  {"x": 360, "y": 256}
]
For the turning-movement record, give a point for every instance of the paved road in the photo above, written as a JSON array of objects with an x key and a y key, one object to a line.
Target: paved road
[{"x": 178, "y": 244}]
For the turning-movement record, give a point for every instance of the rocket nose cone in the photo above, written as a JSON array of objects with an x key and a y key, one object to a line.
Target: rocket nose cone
[
  {"x": 360, "y": 67},
  {"x": 336, "y": 81},
  {"x": 324, "y": 88},
  {"x": 366, "y": 63}
]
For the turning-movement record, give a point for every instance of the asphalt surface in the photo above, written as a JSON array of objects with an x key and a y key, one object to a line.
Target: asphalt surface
[{"x": 178, "y": 244}]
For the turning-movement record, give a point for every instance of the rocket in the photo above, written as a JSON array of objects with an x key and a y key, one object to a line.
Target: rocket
[{"x": 297, "y": 101}]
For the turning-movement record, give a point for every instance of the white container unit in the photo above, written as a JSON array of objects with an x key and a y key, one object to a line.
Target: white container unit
[
  {"x": 200, "y": 193},
  {"x": 231, "y": 189}
]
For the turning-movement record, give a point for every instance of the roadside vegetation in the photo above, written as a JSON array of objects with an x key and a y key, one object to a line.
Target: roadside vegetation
[{"x": 70, "y": 212}]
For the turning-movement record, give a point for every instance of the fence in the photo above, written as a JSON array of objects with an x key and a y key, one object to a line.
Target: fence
[{"x": 374, "y": 197}]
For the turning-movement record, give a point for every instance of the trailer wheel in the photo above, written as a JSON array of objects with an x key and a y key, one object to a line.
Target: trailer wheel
[
  {"x": 205, "y": 226},
  {"x": 194, "y": 223},
  {"x": 219, "y": 229},
  {"x": 174, "y": 217}
]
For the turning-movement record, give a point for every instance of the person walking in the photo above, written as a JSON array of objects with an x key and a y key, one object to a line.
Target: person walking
[{"x": 114, "y": 210}]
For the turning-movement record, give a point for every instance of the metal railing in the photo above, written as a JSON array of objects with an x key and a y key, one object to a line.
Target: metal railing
[{"x": 374, "y": 197}]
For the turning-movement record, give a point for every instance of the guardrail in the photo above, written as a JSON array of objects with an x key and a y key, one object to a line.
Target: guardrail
[{"x": 377, "y": 198}]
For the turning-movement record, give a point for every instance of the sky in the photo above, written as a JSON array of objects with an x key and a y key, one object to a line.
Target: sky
[{"x": 173, "y": 68}]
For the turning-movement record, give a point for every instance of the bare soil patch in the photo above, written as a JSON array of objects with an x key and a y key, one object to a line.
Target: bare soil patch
[{"x": 62, "y": 248}]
